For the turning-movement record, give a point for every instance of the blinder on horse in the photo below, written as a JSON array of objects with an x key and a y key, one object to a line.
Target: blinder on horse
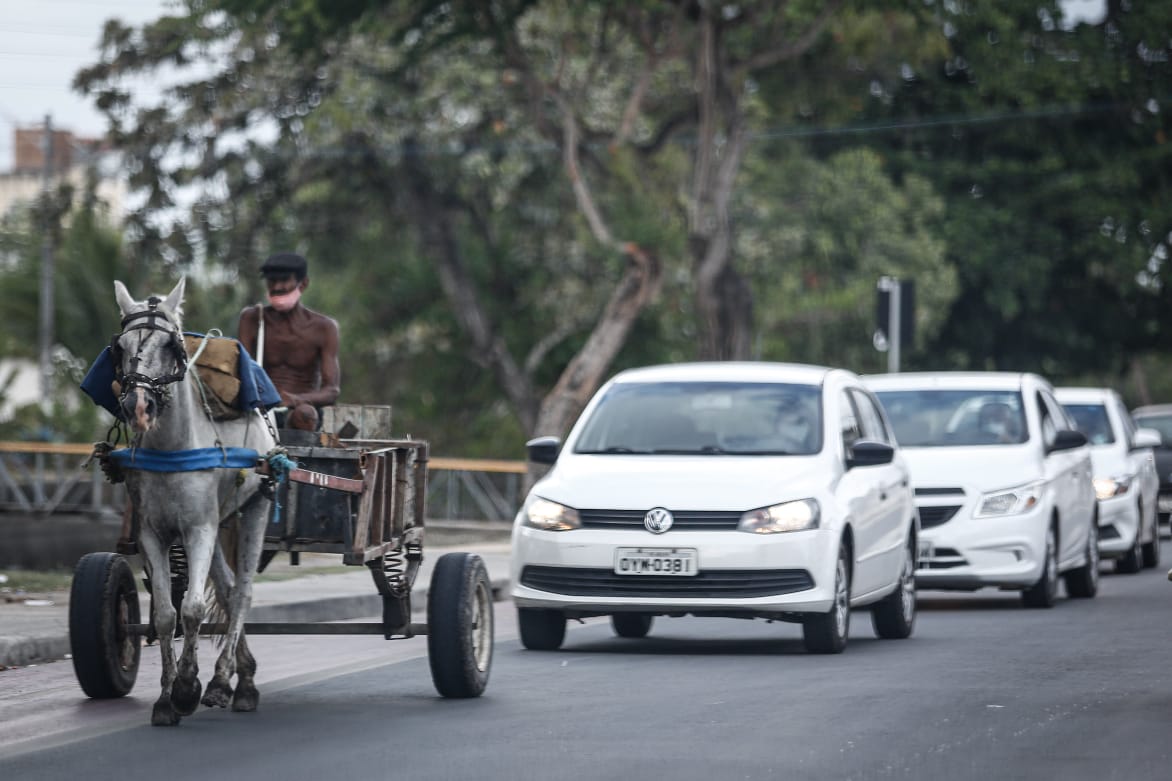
[{"x": 155, "y": 320}]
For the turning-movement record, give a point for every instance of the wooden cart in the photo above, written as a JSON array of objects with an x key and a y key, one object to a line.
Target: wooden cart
[{"x": 362, "y": 498}]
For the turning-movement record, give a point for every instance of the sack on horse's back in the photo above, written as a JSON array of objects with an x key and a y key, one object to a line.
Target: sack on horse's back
[{"x": 217, "y": 367}]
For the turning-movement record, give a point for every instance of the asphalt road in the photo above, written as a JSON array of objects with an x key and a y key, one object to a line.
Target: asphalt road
[{"x": 985, "y": 689}]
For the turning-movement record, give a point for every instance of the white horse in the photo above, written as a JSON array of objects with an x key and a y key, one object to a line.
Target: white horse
[{"x": 160, "y": 399}]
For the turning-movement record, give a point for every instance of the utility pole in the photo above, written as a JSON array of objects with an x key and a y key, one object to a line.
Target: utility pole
[{"x": 45, "y": 331}]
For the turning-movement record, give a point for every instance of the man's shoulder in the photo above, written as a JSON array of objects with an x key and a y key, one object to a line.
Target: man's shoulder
[{"x": 319, "y": 318}]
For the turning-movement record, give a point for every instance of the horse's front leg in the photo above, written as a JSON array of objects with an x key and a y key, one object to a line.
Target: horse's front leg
[
  {"x": 159, "y": 571},
  {"x": 187, "y": 688}
]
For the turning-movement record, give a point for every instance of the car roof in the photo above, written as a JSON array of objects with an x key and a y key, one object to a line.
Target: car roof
[
  {"x": 950, "y": 380},
  {"x": 730, "y": 371},
  {"x": 1073, "y": 395}
]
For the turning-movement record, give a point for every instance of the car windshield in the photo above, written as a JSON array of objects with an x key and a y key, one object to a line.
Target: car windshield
[
  {"x": 705, "y": 418},
  {"x": 1092, "y": 420},
  {"x": 947, "y": 418},
  {"x": 1159, "y": 422}
]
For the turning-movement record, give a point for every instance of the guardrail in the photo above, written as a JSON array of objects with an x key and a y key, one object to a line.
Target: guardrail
[{"x": 45, "y": 478}]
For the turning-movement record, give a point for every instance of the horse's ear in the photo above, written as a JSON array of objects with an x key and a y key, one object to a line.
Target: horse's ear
[
  {"x": 122, "y": 295},
  {"x": 174, "y": 300}
]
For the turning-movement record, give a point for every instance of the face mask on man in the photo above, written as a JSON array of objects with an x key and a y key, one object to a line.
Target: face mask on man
[{"x": 283, "y": 302}]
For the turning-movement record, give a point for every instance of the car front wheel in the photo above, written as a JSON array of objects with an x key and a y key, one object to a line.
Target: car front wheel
[
  {"x": 826, "y": 633},
  {"x": 894, "y": 616},
  {"x": 541, "y": 630},
  {"x": 1045, "y": 592}
]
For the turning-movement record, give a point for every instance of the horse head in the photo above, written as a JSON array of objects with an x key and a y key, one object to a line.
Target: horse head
[{"x": 148, "y": 354}]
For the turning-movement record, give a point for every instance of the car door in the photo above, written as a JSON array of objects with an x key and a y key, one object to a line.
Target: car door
[
  {"x": 881, "y": 515},
  {"x": 1071, "y": 481}
]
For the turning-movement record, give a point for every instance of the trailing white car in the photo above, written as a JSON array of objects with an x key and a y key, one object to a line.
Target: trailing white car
[
  {"x": 1002, "y": 480},
  {"x": 1125, "y": 476},
  {"x": 746, "y": 490}
]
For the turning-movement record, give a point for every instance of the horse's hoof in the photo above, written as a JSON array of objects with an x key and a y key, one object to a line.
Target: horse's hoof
[
  {"x": 217, "y": 695},
  {"x": 246, "y": 700},
  {"x": 185, "y": 696},
  {"x": 163, "y": 715}
]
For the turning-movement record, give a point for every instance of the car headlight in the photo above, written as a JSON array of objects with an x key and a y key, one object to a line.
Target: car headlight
[
  {"x": 549, "y": 516},
  {"x": 785, "y": 517},
  {"x": 1011, "y": 501},
  {"x": 1106, "y": 487}
]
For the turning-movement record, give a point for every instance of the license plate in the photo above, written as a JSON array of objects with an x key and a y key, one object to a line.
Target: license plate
[
  {"x": 656, "y": 561},
  {"x": 1164, "y": 503},
  {"x": 927, "y": 550}
]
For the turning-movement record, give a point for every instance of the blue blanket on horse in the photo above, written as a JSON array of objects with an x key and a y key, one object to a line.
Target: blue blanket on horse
[{"x": 256, "y": 389}]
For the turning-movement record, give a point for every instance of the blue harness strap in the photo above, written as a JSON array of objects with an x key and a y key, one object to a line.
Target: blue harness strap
[{"x": 149, "y": 460}]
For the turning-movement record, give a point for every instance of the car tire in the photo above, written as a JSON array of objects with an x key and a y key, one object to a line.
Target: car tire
[
  {"x": 826, "y": 633},
  {"x": 1083, "y": 582},
  {"x": 1045, "y": 592},
  {"x": 1152, "y": 549},
  {"x": 633, "y": 625},
  {"x": 541, "y": 629},
  {"x": 894, "y": 616},
  {"x": 1132, "y": 561}
]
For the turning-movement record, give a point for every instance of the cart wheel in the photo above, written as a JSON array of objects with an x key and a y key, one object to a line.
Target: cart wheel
[
  {"x": 459, "y": 619},
  {"x": 103, "y": 604}
]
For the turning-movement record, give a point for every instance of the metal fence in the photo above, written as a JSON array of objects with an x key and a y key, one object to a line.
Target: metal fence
[{"x": 47, "y": 478}]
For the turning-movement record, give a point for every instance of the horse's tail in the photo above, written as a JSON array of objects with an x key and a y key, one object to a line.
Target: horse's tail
[{"x": 224, "y": 558}]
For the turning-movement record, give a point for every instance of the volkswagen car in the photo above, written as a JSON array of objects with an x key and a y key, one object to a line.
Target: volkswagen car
[
  {"x": 743, "y": 490},
  {"x": 1002, "y": 479},
  {"x": 1125, "y": 476}
]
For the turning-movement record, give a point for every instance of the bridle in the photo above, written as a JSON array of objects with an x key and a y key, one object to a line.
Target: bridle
[{"x": 149, "y": 319}]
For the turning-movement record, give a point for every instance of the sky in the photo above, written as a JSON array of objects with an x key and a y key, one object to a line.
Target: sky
[{"x": 44, "y": 43}]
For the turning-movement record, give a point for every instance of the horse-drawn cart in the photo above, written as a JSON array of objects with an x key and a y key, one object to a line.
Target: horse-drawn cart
[{"x": 362, "y": 498}]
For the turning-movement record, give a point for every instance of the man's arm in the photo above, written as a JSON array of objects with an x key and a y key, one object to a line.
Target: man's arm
[{"x": 246, "y": 329}]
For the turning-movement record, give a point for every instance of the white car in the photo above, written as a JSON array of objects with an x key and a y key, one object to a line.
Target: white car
[
  {"x": 744, "y": 490},
  {"x": 1125, "y": 476},
  {"x": 1002, "y": 481}
]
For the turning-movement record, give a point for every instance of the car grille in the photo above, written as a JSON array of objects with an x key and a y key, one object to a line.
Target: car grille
[
  {"x": 934, "y": 516},
  {"x": 691, "y": 520},
  {"x": 939, "y": 491},
  {"x": 710, "y": 584}
]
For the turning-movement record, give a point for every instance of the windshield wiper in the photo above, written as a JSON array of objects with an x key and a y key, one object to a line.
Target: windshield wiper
[{"x": 612, "y": 449}]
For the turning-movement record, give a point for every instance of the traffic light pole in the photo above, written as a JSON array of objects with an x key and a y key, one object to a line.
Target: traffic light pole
[{"x": 892, "y": 287}]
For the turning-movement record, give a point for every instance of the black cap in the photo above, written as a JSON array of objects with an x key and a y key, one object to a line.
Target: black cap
[{"x": 285, "y": 263}]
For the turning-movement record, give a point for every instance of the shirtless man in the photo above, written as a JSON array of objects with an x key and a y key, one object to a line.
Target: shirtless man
[{"x": 301, "y": 346}]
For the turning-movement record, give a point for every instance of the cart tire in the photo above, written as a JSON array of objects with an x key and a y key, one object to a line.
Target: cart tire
[
  {"x": 103, "y": 602},
  {"x": 460, "y": 625}
]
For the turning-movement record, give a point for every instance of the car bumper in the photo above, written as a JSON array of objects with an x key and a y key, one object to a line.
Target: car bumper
[
  {"x": 1118, "y": 524},
  {"x": 970, "y": 553},
  {"x": 738, "y": 573}
]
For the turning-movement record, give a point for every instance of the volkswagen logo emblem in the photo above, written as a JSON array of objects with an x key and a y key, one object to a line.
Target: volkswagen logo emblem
[{"x": 658, "y": 520}]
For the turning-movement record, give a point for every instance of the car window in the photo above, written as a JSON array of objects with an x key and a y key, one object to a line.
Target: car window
[
  {"x": 1159, "y": 422},
  {"x": 1049, "y": 425},
  {"x": 848, "y": 421},
  {"x": 705, "y": 418},
  {"x": 1092, "y": 420},
  {"x": 870, "y": 419},
  {"x": 946, "y": 418}
]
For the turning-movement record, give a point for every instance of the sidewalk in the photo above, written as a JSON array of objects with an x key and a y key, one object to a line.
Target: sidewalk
[{"x": 36, "y": 628}]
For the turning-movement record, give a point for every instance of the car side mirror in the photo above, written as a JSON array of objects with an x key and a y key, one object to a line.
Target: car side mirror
[
  {"x": 1147, "y": 437},
  {"x": 1067, "y": 439},
  {"x": 868, "y": 453},
  {"x": 543, "y": 450}
]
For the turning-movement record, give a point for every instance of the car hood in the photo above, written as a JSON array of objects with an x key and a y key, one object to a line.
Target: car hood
[
  {"x": 975, "y": 469},
  {"x": 621, "y": 482}
]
